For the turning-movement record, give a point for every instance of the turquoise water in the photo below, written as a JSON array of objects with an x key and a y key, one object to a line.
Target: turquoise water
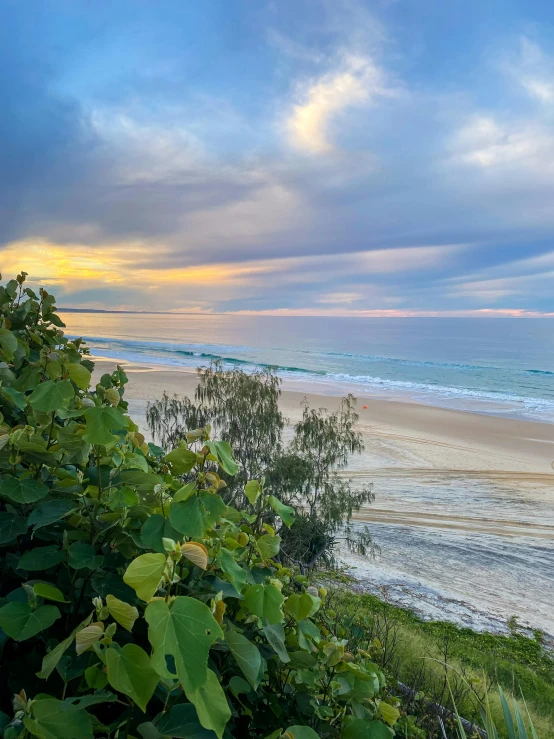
[{"x": 490, "y": 365}]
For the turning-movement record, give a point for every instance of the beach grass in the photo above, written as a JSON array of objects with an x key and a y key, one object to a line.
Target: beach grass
[{"x": 417, "y": 650}]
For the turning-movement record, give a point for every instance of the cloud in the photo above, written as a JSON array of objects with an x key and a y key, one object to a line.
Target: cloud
[
  {"x": 485, "y": 142},
  {"x": 293, "y": 49},
  {"x": 356, "y": 82},
  {"x": 533, "y": 69},
  {"x": 271, "y": 163},
  {"x": 339, "y": 298}
]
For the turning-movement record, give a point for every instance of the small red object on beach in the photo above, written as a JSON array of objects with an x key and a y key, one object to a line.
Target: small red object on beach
[{"x": 365, "y": 406}]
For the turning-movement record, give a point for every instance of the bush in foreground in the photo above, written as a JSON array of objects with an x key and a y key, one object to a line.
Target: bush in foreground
[{"x": 133, "y": 605}]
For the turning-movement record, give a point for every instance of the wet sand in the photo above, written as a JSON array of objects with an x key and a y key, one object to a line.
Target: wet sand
[{"x": 464, "y": 511}]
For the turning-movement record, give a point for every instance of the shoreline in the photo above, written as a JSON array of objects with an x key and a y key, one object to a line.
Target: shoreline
[
  {"x": 528, "y": 445},
  {"x": 464, "y": 508}
]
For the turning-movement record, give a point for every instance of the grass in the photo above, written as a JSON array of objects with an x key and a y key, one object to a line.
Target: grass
[{"x": 415, "y": 652}]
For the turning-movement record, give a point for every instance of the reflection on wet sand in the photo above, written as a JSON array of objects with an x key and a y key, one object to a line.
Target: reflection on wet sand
[{"x": 475, "y": 547}]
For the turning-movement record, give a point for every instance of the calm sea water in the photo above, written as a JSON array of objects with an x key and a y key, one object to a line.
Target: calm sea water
[{"x": 500, "y": 366}]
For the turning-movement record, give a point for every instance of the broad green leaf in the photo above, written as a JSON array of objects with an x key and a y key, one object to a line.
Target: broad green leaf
[
  {"x": 307, "y": 628},
  {"x": 147, "y": 730},
  {"x": 122, "y": 498},
  {"x": 299, "y": 606},
  {"x": 235, "y": 573},
  {"x": 185, "y": 492},
  {"x": 87, "y": 637},
  {"x": 388, "y": 713},
  {"x": 51, "y": 395},
  {"x": 50, "y": 511},
  {"x": 130, "y": 671},
  {"x": 285, "y": 512},
  {"x": 252, "y": 491},
  {"x": 122, "y": 612},
  {"x": 16, "y": 396},
  {"x": 182, "y": 460},
  {"x": 181, "y": 722},
  {"x": 264, "y": 601},
  {"x": 144, "y": 574},
  {"x": 211, "y": 704},
  {"x": 247, "y": 655},
  {"x": 268, "y": 545},
  {"x": 194, "y": 516},
  {"x": 155, "y": 450},
  {"x": 11, "y": 526},
  {"x": 99, "y": 696},
  {"x": 186, "y": 630},
  {"x": 196, "y": 553},
  {"x": 41, "y": 558},
  {"x": 22, "y": 491},
  {"x": 8, "y": 342},
  {"x": 302, "y": 660},
  {"x": 361, "y": 729},
  {"x": 222, "y": 450},
  {"x": 82, "y": 555},
  {"x": 54, "y": 719},
  {"x": 100, "y": 422},
  {"x": 49, "y": 592},
  {"x": 156, "y": 528},
  {"x": 51, "y": 659},
  {"x": 142, "y": 481},
  {"x": 79, "y": 374},
  {"x": 20, "y": 622},
  {"x": 301, "y": 732},
  {"x": 4, "y": 439},
  {"x": 275, "y": 634},
  {"x": 357, "y": 688},
  {"x": 95, "y": 678}
]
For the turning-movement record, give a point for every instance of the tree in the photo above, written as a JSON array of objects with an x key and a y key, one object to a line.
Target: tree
[
  {"x": 244, "y": 410},
  {"x": 307, "y": 478}
]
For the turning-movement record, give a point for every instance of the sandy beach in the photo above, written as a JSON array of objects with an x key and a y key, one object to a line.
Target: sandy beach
[
  {"x": 397, "y": 434},
  {"x": 466, "y": 498}
]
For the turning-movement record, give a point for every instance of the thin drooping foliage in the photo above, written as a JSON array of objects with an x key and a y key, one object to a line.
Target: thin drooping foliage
[
  {"x": 326, "y": 441},
  {"x": 244, "y": 409}
]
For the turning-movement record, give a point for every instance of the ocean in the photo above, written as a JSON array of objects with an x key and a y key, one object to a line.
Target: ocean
[
  {"x": 472, "y": 546},
  {"x": 502, "y": 366}
]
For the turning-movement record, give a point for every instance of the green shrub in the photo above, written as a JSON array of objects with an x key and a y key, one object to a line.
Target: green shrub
[{"x": 133, "y": 605}]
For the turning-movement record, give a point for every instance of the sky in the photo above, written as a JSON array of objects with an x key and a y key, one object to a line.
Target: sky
[{"x": 333, "y": 157}]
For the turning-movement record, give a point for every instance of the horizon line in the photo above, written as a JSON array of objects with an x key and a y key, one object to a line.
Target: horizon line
[{"x": 311, "y": 313}]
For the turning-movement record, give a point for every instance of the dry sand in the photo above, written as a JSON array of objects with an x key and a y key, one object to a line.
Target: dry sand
[{"x": 397, "y": 434}]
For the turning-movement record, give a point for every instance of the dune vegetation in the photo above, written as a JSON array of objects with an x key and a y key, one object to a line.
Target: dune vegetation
[{"x": 161, "y": 591}]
